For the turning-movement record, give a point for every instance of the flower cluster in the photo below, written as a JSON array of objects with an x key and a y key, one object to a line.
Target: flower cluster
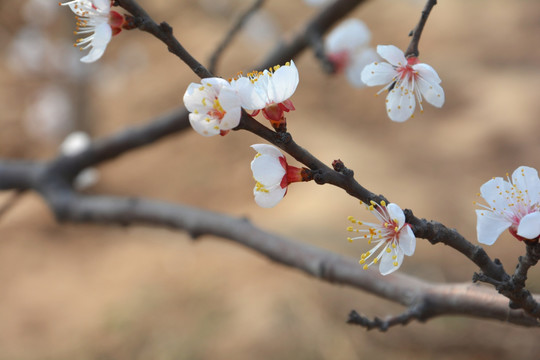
[
  {"x": 512, "y": 204},
  {"x": 391, "y": 235},
  {"x": 273, "y": 175},
  {"x": 95, "y": 17},
  {"x": 406, "y": 80},
  {"x": 215, "y": 104},
  {"x": 347, "y": 47}
]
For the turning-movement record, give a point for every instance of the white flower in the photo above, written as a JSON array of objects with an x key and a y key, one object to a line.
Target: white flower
[
  {"x": 73, "y": 145},
  {"x": 405, "y": 79},
  {"x": 273, "y": 175},
  {"x": 512, "y": 205},
  {"x": 347, "y": 47},
  {"x": 95, "y": 17},
  {"x": 268, "y": 91},
  {"x": 214, "y": 106},
  {"x": 392, "y": 235}
]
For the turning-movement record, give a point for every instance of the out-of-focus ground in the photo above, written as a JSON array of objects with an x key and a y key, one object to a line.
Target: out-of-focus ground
[{"x": 72, "y": 291}]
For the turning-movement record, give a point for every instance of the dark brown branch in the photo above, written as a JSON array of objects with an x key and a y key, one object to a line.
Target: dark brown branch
[
  {"x": 514, "y": 287},
  {"x": 412, "y": 50},
  {"x": 413, "y": 313},
  {"x": 163, "y": 32},
  {"x": 214, "y": 58}
]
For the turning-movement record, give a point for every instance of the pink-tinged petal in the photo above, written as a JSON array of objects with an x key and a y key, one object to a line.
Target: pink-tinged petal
[
  {"x": 490, "y": 226},
  {"x": 283, "y": 82},
  {"x": 269, "y": 199},
  {"x": 267, "y": 170},
  {"x": 349, "y": 36},
  {"x": 392, "y": 54},
  {"x": 265, "y": 149},
  {"x": 400, "y": 104},
  {"x": 251, "y": 96},
  {"x": 427, "y": 72},
  {"x": 204, "y": 125},
  {"x": 492, "y": 191},
  {"x": 388, "y": 262},
  {"x": 396, "y": 214},
  {"x": 102, "y": 36},
  {"x": 526, "y": 179},
  {"x": 529, "y": 226},
  {"x": 359, "y": 61},
  {"x": 407, "y": 240},
  {"x": 432, "y": 92},
  {"x": 378, "y": 73}
]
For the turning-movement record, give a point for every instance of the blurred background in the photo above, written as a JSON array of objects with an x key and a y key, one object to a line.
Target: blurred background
[{"x": 95, "y": 292}]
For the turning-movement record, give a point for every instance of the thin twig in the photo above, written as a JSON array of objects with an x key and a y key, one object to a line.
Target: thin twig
[
  {"x": 412, "y": 50},
  {"x": 214, "y": 58}
]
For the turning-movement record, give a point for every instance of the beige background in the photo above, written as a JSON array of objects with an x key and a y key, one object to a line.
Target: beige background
[{"x": 95, "y": 292}]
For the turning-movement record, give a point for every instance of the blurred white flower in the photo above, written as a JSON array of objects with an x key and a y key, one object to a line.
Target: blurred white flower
[
  {"x": 392, "y": 235},
  {"x": 50, "y": 115},
  {"x": 73, "y": 145},
  {"x": 347, "y": 47},
  {"x": 512, "y": 204},
  {"x": 214, "y": 106},
  {"x": 406, "y": 79}
]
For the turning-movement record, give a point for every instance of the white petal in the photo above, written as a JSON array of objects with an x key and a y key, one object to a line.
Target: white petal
[
  {"x": 529, "y": 226},
  {"x": 378, "y": 73},
  {"x": 102, "y": 36},
  {"x": 193, "y": 98},
  {"x": 267, "y": 170},
  {"x": 103, "y": 5},
  {"x": 490, "y": 226},
  {"x": 202, "y": 126},
  {"x": 427, "y": 72},
  {"x": 282, "y": 84},
  {"x": 400, "y": 104},
  {"x": 349, "y": 36},
  {"x": 230, "y": 102},
  {"x": 492, "y": 191},
  {"x": 359, "y": 61},
  {"x": 269, "y": 199},
  {"x": 265, "y": 149},
  {"x": 526, "y": 179},
  {"x": 252, "y": 97},
  {"x": 396, "y": 214},
  {"x": 387, "y": 265},
  {"x": 407, "y": 240},
  {"x": 432, "y": 92},
  {"x": 392, "y": 54}
]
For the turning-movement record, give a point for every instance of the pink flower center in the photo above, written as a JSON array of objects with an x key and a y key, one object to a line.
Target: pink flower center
[{"x": 406, "y": 73}]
